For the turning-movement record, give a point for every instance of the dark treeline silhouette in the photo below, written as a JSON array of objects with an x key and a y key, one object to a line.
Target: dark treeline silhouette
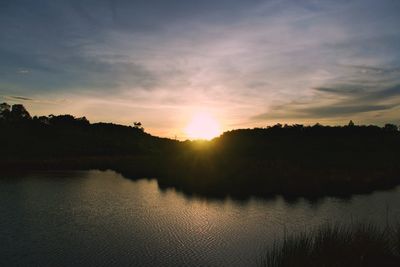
[{"x": 292, "y": 160}]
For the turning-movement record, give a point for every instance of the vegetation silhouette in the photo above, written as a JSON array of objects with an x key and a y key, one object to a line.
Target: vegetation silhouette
[
  {"x": 358, "y": 244},
  {"x": 290, "y": 160}
]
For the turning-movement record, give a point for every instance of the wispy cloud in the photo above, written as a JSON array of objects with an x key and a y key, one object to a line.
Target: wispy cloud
[
  {"x": 250, "y": 61},
  {"x": 32, "y": 101},
  {"x": 20, "y": 98},
  {"x": 348, "y": 101}
]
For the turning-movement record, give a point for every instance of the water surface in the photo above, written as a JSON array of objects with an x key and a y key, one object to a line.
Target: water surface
[{"x": 101, "y": 218}]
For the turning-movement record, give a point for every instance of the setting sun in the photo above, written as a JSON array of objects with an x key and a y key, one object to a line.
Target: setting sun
[{"x": 203, "y": 126}]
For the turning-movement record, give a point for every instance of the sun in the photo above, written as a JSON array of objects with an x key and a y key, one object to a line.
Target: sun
[{"x": 203, "y": 126}]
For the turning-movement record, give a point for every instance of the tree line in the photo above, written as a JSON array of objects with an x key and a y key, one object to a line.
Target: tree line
[{"x": 292, "y": 160}]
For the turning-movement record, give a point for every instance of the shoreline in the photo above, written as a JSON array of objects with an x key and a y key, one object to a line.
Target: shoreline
[{"x": 341, "y": 183}]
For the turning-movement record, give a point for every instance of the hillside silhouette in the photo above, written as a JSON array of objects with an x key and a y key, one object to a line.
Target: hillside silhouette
[{"x": 291, "y": 160}]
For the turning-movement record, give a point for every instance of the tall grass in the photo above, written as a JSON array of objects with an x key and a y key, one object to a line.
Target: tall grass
[{"x": 338, "y": 245}]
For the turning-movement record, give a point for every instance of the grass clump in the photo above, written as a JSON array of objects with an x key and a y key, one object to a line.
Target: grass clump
[{"x": 338, "y": 245}]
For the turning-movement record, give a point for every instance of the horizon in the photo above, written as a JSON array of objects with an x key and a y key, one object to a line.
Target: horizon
[
  {"x": 196, "y": 134},
  {"x": 244, "y": 64}
]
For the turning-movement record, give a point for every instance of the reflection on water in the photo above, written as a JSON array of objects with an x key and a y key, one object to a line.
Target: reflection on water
[{"x": 101, "y": 218}]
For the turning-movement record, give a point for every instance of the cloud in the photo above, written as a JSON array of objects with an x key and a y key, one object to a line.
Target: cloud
[
  {"x": 30, "y": 101},
  {"x": 21, "y": 98},
  {"x": 23, "y": 71},
  {"x": 349, "y": 101},
  {"x": 359, "y": 91},
  {"x": 383, "y": 94},
  {"x": 341, "y": 90},
  {"x": 307, "y": 112},
  {"x": 74, "y": 72},
  {"x": 340, "y": 109},
  {"x": 278, "y": 59}
]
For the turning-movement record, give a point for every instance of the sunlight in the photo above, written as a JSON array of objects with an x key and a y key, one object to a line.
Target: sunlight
[{"x": 203, "y": 126}]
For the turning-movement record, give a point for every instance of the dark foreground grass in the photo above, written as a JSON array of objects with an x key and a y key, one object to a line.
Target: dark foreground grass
[{"x": 338, "y": 245}]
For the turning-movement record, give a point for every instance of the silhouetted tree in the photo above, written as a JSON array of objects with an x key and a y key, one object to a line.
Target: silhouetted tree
[
  {"x": 18, "y": 113},
  {"x": 138, "y": 125},
  {"x": 351, "y": 124},
  {"x": 67, "y": 120},
  {"x": 83, "y": 120},
  {"x": 4, "y": 107},
  {"x": 43, "y": 119},
  {"x": 62, "y": 120},
  {"x": 390, "y": 127},
  {"x": 5, "y": 110},
  {"x": 277, "y": 126}
]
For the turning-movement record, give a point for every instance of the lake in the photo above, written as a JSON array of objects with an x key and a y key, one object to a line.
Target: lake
[{"x": 100, "y": 218}]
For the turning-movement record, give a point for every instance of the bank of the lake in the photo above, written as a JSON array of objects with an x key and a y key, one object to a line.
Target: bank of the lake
[{"x": 291, "y": 160}]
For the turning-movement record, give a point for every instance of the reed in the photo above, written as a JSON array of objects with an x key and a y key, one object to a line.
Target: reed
[{"x": 338, "y": 245}]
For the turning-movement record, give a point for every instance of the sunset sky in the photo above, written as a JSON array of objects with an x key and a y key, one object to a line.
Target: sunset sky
[{"x": 246, "y": 63}]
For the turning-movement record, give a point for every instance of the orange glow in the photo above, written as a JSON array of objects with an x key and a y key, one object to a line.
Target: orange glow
[{"x": 203, "y": 126}]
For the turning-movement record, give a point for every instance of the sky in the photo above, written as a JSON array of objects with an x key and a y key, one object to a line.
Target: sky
[{"x": 249, "y": 63}]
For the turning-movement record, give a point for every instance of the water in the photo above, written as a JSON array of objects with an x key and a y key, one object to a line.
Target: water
[{"x": 101, "y": 218}]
